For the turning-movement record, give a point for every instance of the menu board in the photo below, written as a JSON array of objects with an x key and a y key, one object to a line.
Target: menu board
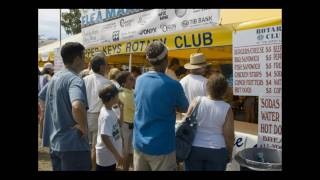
[
  {"x": 270, "y": 122},
  {"x": 257, "y": 71},
  {"x": 257, "y": 62}
]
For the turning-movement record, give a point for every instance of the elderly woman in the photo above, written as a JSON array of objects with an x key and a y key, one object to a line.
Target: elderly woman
[
  {"x": 112, "y": 76},
  {"x": 213, "y": 143},
  {"x": 46, "y": 74}
]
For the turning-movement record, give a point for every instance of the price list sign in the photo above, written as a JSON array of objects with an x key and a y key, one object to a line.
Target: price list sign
[
  {"x": 270, "y": 122},
  {"x": 257, "y": 71},
  {"x": 257, "y": 62}
]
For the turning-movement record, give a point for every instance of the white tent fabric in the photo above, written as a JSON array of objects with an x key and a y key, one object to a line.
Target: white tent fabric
[{"x": 50, "y": 47}]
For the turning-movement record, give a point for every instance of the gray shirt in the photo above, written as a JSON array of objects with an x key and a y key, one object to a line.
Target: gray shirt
[
  {"x": 43, "y": 80},
  {"x": 58, "y": 94}
]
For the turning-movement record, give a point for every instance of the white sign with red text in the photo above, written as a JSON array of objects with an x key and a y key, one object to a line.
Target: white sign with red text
[
  {"x": 257, "y": 71},
  {"x": 270, "y": 122},
  {"x": 257, "y": 62}
]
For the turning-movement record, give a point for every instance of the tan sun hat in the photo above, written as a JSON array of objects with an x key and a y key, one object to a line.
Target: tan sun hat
[{"x": 197, "y": 60}]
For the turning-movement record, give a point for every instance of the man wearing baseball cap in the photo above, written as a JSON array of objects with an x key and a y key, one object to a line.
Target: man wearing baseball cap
[
  {"x": 157, "y": 97},
  {"x": 194, "y": 84}
]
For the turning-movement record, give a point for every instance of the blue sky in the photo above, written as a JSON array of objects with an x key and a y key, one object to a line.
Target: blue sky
[{"x": 48, "y": 23}]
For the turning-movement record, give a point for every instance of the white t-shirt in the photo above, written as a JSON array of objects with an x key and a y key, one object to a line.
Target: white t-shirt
[
  {"x": 108, "y": 125},
  {"x": 117, "y": 110},
  {"x": 211, "y": 116},
  {"x": 193, "y": 86},
  {"x": 94, "y": 83}
]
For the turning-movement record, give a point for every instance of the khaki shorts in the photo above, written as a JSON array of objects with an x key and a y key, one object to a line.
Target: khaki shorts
[
  {"x": 92, "y": 128},
  {"x": 145, "y": 162},
  {"x": 127, "y": 139}
]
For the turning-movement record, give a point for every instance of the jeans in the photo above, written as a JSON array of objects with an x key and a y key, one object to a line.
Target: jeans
[
  {"x": 70, "y": 160},
  {"x": 207, "y": 159}
]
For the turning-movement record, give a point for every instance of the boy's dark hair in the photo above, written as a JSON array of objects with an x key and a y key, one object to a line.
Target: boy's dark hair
[
  {"x": 155, "y": 49},
  {"x": 70, "y": 51},
  {"x": 217, "y": 86},
  {"x": 121, "y": 77},
  {"x": 96, "y": 62},
  {"x": 108, "y": 92}
]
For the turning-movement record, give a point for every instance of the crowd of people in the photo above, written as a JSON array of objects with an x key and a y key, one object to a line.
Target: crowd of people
[{"x": 106, "y": 119}]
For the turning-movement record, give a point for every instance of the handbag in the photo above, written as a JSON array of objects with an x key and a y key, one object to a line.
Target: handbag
[{"x": 185, "y": 133}]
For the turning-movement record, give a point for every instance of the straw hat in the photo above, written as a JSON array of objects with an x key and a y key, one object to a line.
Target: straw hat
[{"x": 197, "y": 60}]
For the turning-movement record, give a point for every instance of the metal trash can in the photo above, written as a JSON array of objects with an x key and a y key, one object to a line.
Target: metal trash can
[{"x": 259, "y": 159}]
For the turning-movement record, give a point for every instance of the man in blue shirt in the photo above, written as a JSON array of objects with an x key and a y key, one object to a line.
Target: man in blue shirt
[
  {"x": 65, "y": 118},
  {"x": 157, "y": 98}
]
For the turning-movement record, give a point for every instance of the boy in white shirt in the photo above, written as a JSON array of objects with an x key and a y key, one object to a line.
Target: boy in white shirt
[{"x": 109, "y": 140}]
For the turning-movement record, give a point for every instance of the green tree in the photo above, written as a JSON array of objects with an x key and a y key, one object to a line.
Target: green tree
[{"x": 71, "y": 21}]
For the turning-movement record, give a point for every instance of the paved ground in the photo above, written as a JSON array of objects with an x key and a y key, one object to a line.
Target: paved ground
[{"x": 44, "y": 163}]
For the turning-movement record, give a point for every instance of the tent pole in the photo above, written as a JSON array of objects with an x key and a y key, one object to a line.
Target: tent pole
[
  {"x": 60, "y": 26},
  {"x": 130, "y": 62}
]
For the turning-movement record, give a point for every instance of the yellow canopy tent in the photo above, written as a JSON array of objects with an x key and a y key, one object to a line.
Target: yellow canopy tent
[
  {"x": 220, "y": 53},
  {"x": 44, "y": 58},
  {"x": 182, "y": 44}
]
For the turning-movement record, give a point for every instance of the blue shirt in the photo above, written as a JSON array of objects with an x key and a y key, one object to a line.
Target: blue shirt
[
  {"x": 157, "y": 97},
  {"x": 58, "y": 94}
]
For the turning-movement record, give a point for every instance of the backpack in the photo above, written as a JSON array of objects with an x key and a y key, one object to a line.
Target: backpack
[{"x": 185, "y": 133}]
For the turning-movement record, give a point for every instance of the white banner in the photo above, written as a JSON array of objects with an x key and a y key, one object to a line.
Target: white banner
[
  {"x": 91, "y": 17},
  {"x": 242, "y": 141},
  {"x": 270, "y": 122},
  {"x": 257, "y": 62},
  {"x": 58, "y": 63},
  {"x": 145, "y": 24}
]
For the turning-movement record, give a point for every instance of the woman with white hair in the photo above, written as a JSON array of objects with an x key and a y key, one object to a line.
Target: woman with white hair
[{"x": 46, "y": 74}]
